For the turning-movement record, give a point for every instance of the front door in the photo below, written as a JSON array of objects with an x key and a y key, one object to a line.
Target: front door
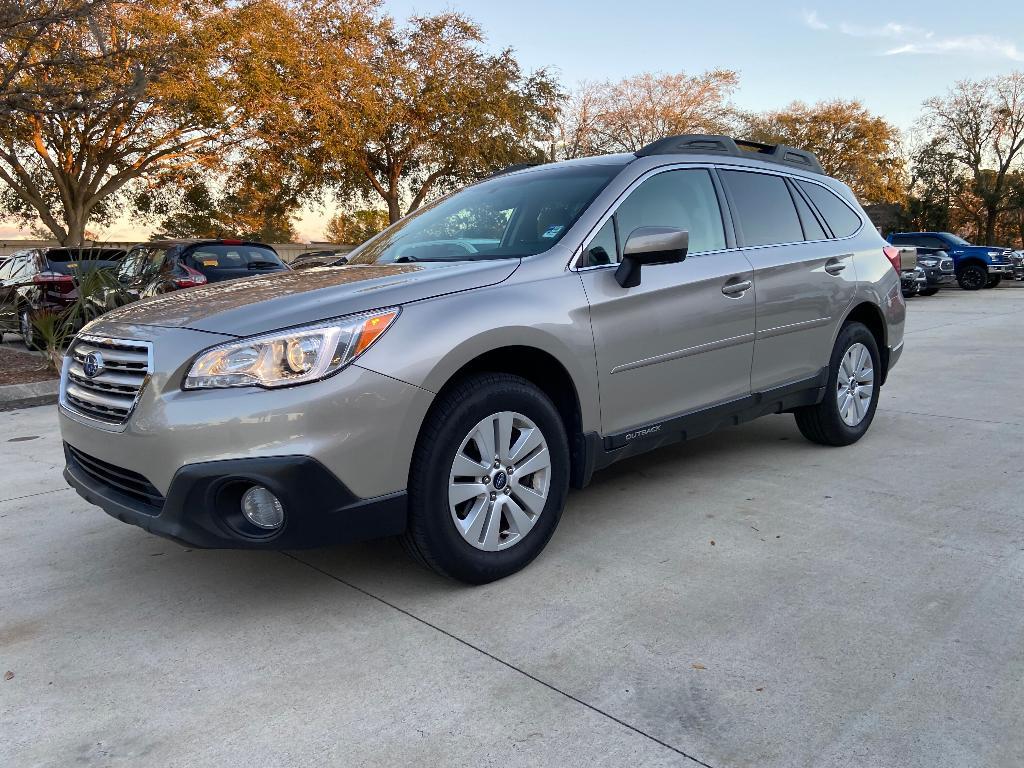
[{"x": 683, "y": 339}]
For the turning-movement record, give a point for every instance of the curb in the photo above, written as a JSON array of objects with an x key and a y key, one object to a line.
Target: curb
[{"x": 15, "y": 396}]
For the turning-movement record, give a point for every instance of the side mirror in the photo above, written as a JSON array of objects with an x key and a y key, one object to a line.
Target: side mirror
[{"x": 650, "y": 245}]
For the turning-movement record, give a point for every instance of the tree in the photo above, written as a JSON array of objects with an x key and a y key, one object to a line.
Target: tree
[
  {"x": 161, "y": 106},
  {"x": 252, "y": 208},
  {"x": 24, "y": 26},
  {"x": 626, "y": 115},
  {"x": 981, "y": 123},
  {"x": 853, "y": 145},
  {"x": 427, "y": 110},
  {"x": 355, "y": 227}
]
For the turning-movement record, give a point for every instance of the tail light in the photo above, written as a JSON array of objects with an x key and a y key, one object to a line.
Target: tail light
[
  {"x": 190, "y": 279},
  {"x": 55, "y": 281},
  {"x": 892, "y": 253}
]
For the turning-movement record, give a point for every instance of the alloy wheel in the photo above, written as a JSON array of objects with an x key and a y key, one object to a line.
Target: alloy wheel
[
  {"x": 855, "y": 385},
  {"x": 499, "y": 481}
]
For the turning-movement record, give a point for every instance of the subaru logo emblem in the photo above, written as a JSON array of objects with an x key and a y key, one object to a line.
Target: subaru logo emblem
[{"x": 93, "y": 365}]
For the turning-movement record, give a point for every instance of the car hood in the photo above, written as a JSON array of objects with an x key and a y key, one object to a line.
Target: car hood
[{"x": 254, "y": 305}]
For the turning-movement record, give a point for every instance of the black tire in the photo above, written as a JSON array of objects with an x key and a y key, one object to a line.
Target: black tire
[
  {"x": 822, "y": 423},
  {"x": 929, "y": 291},
  {"x": 28, "y": 331},
  {"x": 993, "y": 281},
  {"x": 973, "y": 277},
  {"x": 432, "y": 537}
]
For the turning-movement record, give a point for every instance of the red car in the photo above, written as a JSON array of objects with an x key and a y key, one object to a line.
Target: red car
[{"x": 42, "y": 279}]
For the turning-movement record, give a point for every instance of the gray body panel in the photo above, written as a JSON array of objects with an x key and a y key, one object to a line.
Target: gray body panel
[{"x": 673, "y": 345}]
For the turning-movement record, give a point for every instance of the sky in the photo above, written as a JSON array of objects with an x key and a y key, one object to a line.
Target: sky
[{"x": 890, "y": 55}]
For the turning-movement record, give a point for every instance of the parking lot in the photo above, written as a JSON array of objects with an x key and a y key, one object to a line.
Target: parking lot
[{"x": 746, "y": 599}]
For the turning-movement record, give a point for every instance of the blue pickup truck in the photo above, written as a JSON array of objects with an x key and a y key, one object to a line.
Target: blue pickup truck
[{"x": 976, "y": 266}]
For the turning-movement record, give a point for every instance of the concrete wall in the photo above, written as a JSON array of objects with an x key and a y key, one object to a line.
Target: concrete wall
[{"x": 287, "y": 251}]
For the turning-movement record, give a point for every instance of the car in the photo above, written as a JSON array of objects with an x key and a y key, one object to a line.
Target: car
[
  {"x": 975, "y": 266},
  {"x": 913, "y": 282},
  {"x": 37, "y": 280},
  {"x": 1017, "y": 259},
  {"x": 627, "y": 301},
  {"x": 319, "y": 259},
  {"x": 163, "y": 266}
]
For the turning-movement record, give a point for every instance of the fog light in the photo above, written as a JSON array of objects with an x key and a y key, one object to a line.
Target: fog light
[{"x": 262, "y": 508}]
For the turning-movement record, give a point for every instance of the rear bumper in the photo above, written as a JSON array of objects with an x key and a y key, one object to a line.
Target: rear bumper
[{"x": 202, "y": 509}]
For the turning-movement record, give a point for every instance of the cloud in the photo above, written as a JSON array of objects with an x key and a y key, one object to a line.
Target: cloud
[
  {"x": 811, "y": 19},
  {"x": 973, "y": 45},
  {"x": 906, "y": 39}
]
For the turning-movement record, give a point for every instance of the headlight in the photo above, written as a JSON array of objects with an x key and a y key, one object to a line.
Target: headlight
[
  {"x": 294, "y": 356},
  {"x": 929, "y": 262},
  {"x": 994, "y": 254}
]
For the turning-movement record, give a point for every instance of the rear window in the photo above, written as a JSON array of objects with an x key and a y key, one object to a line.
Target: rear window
[
  {"x": 215, "y": 258},
  {"x": 69, "y": 261},
  {"x": 764, "y": 208},
  {"x": 838, "y": 215}
]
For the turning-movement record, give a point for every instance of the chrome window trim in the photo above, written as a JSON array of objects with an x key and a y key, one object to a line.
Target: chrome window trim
[{"x": 577, "y": 252}]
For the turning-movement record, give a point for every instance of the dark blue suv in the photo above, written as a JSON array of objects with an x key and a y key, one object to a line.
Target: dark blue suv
[{"x": 976, "y": 266}]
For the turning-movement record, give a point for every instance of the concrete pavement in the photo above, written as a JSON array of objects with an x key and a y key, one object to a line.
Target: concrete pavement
[{"x": 747, "y": 599}]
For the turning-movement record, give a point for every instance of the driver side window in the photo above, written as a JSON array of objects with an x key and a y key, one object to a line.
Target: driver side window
[{"x": 684, "y": 199}]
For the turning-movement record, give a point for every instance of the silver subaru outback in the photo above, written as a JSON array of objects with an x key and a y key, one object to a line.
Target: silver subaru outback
[{"x": 482, "y": 355}]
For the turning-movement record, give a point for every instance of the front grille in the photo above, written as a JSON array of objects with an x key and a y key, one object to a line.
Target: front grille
[
  {"x": 124, "y": 481},
  {"x": 110, "y": 395},
  {"x": 946, "y": 265}
]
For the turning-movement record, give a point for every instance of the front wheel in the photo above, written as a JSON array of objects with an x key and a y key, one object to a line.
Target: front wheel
[
  {"x": 972, "y": 277},
  {"x": 851, "y": 396},
  {"x": 993, "y": 281},
  {"x": 489, "y": 479}
]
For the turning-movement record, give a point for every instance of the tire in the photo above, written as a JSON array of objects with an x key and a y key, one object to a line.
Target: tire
[
  {"x": 825, "y": 423},
  {"x": 993, "y": 281},
  {"x": 28, "y": 331},
  {"x": 929, "y": 291},
  {"x": 441, "y": 533},
  {"x": 973, "y": 277}
]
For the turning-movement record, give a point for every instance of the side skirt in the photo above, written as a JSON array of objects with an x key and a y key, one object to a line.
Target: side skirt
[{"x": 596, "y": 452}]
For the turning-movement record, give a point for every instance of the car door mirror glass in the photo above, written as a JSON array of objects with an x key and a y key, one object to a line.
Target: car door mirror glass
[{"x": 650, "y": 245}]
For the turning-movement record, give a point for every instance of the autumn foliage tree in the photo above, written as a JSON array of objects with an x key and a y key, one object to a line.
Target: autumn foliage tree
[
  {"x": 858, "y": 148},
  {"x": 355, "y": 227},
  {"x": 625, "y": 115},
  {"x": 423, "y": 109},
  {"x": 981, "y": 124},
  {"x": 145, "y": 92}
]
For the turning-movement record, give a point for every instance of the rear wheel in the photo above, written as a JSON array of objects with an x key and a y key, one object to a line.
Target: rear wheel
[
  {"x": 848, "y": 408},
  {"x": 972, "y": 277},
  {"x": 28, "y": 331},
  {"x": 489, "y": 479}
]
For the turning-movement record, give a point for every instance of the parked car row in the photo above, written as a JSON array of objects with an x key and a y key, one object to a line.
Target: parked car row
[
  {"x": 39, "y": 280},
  {"x": 942, "y": 257}
]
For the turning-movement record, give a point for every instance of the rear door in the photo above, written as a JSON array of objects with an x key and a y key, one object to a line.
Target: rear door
[
  {"x": 804, "y": 276},
  {"x": 682, "y": 340}
]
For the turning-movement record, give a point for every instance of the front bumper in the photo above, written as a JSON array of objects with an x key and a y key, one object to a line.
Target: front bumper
[
  {"x": 202, "y": 507},
  {"x": 936, "y": 277},
  {"x": 1000, "y": 269}
]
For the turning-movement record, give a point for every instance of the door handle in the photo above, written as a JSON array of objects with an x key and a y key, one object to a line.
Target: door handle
[
  {"x": 835, "y": 267},
  {"x": 733, "y": 289}
]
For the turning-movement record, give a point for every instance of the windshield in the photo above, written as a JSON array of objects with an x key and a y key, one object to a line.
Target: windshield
[
  {"x": 956, "y": 240},
  {"x": 503, "y": 218}
]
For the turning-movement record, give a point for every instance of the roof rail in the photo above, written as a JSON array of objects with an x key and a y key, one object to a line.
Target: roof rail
[{"x": 709, "y": 144}]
